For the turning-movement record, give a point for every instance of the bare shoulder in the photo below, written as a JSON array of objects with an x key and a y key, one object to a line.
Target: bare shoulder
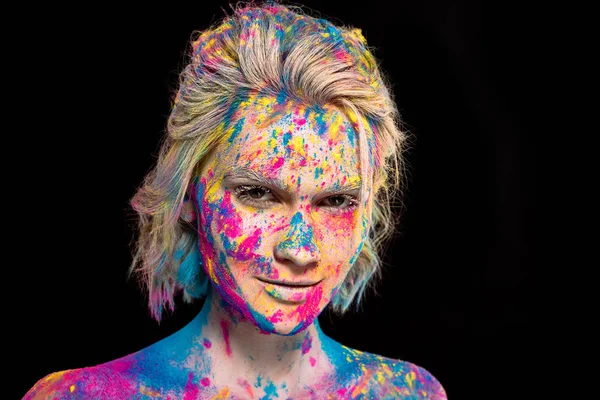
[
  {"x": 113, "y": 380},
  {"x": 93, "y": 382},
  {"x": 386, "y": 378}
]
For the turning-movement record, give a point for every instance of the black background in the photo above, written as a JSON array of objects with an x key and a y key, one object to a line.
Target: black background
[{"x": 458, "y": 295}]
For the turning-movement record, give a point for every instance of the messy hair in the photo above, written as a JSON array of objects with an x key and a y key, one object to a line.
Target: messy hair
[{"x": 265, "y": 48}]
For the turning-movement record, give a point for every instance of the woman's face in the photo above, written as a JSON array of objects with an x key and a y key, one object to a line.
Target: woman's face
[{"x": 278, "y": 202}]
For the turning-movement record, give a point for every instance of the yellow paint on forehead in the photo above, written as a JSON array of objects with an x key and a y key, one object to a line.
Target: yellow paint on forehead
[{"x": 297, "y": 145}]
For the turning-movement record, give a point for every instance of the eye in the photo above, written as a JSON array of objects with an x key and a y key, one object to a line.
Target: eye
[
  {"x": 254, "y": 194},
  {"x": 340, "y": 201}
]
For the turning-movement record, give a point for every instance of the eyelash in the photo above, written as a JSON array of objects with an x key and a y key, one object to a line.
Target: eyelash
[{"x": 242, "y": 191}]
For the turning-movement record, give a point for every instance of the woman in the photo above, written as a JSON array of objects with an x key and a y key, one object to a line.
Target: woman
[{"x": 270, "y": 198}]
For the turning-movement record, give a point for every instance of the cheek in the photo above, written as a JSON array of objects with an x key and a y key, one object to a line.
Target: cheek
[{"x": 239, "y": 235}]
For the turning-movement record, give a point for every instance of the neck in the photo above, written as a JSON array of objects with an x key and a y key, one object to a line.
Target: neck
[{"x": 239, "y": 351}]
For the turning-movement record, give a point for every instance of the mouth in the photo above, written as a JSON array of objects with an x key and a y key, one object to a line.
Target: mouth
[
  {"x": 294, "y": 292},
  {"x": 298, "y": 284}
]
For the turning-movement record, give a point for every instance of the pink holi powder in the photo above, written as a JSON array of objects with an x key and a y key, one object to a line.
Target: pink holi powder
[
  {"x": 306, "y": 344},
  {"x": 244, "y": 383},
  {"x": 205, "y": 381},
  {"x": 302, "y": 162},
  {"x": 191, "y": 391},
  {"x": 225, "y": 330},
  {"x": 274, "y": 169},
  {"x": 245, "y": 250},
  {"x": 308, "y": 311},
  {"x": 312, "y": 361},
  {"x": 276, "y": 317},
  {"x": 122, "y": 365},
  {"x": 228, "y": 221},
  {"x": 207, "y": 343},
  {"x": 301, "y": 122}
]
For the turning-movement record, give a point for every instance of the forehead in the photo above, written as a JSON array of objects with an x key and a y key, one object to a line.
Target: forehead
[{"x": 277, "y": 136}]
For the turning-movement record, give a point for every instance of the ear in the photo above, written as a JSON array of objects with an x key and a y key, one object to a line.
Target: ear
[{"x": 188, "y": 213}]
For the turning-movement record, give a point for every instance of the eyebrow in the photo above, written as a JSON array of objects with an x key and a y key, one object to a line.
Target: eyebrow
[{"x": 250, "y": 174}]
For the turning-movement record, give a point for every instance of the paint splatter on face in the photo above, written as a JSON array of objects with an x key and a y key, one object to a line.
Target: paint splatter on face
[{"x": 279, "y": 203}]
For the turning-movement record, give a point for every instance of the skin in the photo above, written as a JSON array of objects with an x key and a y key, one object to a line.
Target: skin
[{"x": 307, "y": 224}]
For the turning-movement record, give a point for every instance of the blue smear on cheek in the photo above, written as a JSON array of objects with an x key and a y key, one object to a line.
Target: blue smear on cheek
[{"x": 357, "y": 253}]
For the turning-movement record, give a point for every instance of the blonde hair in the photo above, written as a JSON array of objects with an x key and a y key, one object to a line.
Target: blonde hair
[{"x": 266, "y": 48}]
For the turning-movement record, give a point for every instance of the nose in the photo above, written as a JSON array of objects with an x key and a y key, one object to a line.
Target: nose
[{"x": 298, "y": 244}]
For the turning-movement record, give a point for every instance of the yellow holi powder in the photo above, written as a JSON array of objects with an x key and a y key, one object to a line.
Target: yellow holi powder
[
  {"x": 297, "y": 145},
  {"x": 72, "y": 388},
  {"x": 334, "y": 129},
  {"x": 410, "y": 378},
  {"x": 267, "y": 101},
  {"x": 337, "y": 156},
  {"x": 149, "y": 392},
  {"x": 55, "y": 375},
  {"x": 223, "y": 394},
  {"x": 354, "y": 180},
  {"x": 211, "y": 192},
  {"x": 211, "y": 270},
  {"x": 272, "y": 143}
]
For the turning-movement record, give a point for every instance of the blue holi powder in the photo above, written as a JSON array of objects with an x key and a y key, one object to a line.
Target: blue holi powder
[
  {"x": 286, "y": 139},
  {"x": 351, "y": 133},
  {"x": 270, "y": 391},
  {"x": 318, "y": 172},
  {"x": 263, "y": 266},
  {"x": 227, "y": 244},
  {"x": 258, "y": 381},
  {"x": 190, "y": 274},
  {"x": 300, "y": 236},
  {"x": 357, "y": 253},
  {"x": 338, "y": 355},
  {"x": 321, "y": 124},
  {"x": 236, "y": 129},
  {"x": 281, "y": 97}
]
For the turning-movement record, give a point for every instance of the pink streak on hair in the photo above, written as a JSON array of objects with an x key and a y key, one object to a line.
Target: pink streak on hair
[
  {"x": 191, "y": 391},
  {"x": 225, "y": 330}
]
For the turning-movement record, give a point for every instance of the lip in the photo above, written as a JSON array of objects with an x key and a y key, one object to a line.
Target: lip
[
  {"x": 288, "y": 283},
  {"x": 295, "y": 292}
]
